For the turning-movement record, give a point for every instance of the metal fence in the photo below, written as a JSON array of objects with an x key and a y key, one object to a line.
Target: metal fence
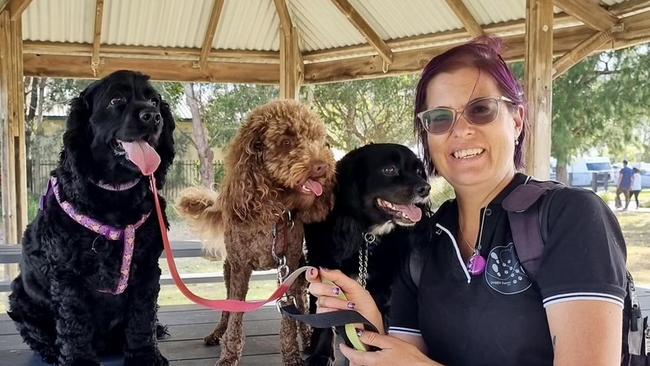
[{"x": 183, "y": 173}]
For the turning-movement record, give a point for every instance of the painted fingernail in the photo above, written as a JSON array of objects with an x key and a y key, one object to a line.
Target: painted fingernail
[
  {"x": 350, "y": 305},
  {"x": 359, "y": 332},
  {"x": 336, "y": 291}
]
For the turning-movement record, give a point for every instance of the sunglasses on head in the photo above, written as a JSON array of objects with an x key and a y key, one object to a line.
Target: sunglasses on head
[{"x": 479, "y": 111}]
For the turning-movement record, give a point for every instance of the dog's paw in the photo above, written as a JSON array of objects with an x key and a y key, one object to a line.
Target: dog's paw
[
  {"x": 211, "y": 340},
  {"x": 319, "y": 360},
  {"x": 150, "y": 359}
]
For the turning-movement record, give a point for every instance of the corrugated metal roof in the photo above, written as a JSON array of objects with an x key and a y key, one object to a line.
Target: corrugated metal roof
[
  {"x": 55, "y": 21},
  {"x": 398, "y": 19},
  {"x": 166, "y": 23},
  {"x": 251, "y": 24},
  {"x": 322, "y": 26},
  {"x": 247, "y": 25}
]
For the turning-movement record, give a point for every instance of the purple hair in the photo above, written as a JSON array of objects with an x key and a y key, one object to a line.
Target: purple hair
[{"x": 484, "y": 54}]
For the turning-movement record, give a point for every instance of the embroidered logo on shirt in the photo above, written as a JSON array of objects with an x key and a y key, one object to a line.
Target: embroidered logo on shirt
[{"x": 504, "y": 273}]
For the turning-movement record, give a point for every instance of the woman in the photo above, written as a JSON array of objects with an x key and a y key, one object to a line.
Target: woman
[
  {"x": 635, "y": 188},
  {"x": 471, "y": 123}
]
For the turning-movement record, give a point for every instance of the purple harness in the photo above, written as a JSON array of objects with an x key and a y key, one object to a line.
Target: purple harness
[{"x": 111, "y": 233}]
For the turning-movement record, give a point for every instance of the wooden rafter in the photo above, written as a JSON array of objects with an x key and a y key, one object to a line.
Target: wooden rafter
[
  {"x": 589, "y": 13},
  {"x": 210, "y": 32},
  {"x": 16, "y": 7},
  {"x": 97, "y": 35},
  {"x": 465, "y": 17},
  {"x": 291, "y": 63},
  {"x": 364, "y": 28},
  {"x": 582, "y": 50}
]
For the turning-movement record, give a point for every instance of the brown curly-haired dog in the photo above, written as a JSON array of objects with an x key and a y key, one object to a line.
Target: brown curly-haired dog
[{"x": 279, "y": 162}]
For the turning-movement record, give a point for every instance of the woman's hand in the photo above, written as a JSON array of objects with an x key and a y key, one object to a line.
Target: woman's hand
[
  {"x": 392, "y": 351},
  {"x": 358, "y": 298}
]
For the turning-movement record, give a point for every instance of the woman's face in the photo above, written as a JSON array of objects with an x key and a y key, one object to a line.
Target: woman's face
[{"x": 469, "y": 154}]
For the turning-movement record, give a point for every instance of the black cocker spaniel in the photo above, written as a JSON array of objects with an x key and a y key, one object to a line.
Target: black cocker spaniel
[
  {"x": 381, "y": 193},
  {"x": 89, "y": 277}
]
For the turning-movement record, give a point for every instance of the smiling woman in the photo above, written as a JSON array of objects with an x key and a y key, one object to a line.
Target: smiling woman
[{"x": 470, "y": 121}]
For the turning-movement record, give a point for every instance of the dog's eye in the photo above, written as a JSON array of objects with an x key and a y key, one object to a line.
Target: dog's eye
[
  {"x": 118, "y": 100},
  {"x": 153, "y": 102},
  {"x": 389, "y": 171},
  {"x": 285, "y": 142}
]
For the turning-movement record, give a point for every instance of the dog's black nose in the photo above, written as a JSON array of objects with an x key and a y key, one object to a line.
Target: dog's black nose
[
  {"x": 423, "y": 190},
  {"x": 318, "y": 169},
  {"x": 150, "y": 117}
]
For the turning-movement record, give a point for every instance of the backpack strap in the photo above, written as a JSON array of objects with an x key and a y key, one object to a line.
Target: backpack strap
[{"x": 527, "y": 214}]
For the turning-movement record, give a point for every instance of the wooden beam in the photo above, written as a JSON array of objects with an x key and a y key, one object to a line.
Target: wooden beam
[
  {"x": 539, "y": 85},
  {"x": 149, "y": 53},
  {"x": 12, "y": 117},
  {"x": 97, "y": 35},
  {"x": 291, "y": 64},
  {"x": 412, "y": 61},
  {"x": 210, "y": 32},
  {"x": 158, "y": 69},
  {"x": 584, "y": 49},
  {"x": 365, "y": 29},
  {"x": 634, "y": 26},
  {"x": 465, "y": 17},
  {"x": 589, "y": 13},
  {"x": 629, "y": 6},
  {"x": 17, "y": 7}
]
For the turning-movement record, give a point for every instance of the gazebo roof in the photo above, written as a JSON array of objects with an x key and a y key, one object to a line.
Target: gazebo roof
[{"x": 239, "y": 40}]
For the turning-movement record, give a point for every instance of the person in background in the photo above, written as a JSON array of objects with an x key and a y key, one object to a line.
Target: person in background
[
  {"x": 635, "y": 188},
  {"x": 624, "y": 185},
  {"x": 473, "y": 304}
]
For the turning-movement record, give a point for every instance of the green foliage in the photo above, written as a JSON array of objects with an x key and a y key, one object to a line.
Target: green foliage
[
  {"x": 600, "y": 103},
  {"x": 359, "y": 112},
  {"x": 228, "y": 107}
]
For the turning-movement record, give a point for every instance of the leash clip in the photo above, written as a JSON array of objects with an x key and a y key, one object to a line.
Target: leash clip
[{"x": 285, "y": 301}]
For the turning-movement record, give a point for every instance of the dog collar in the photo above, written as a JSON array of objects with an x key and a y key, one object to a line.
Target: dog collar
[
  {"x": 111, "y": 233},
  {"x": 116, "y": 187}
]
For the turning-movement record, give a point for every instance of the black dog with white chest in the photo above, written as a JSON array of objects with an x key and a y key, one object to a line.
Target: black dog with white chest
[
  {"x": 381, "y": 193},
  {"x": 89, "y": 277}
]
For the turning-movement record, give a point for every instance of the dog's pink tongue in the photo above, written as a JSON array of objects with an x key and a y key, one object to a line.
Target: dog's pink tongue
[
  {"x": 413, "y": 212},
  {"x": 314, "y": 186},
  {"x": 142, "y": 155}
]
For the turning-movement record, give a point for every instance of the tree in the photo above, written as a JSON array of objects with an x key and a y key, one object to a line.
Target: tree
[
  {"x": 598, "y": 104},
  {"x": 193, "y": 94},
  {"x": 217, "y": 112},
  {"x": 359, "y": 112}
]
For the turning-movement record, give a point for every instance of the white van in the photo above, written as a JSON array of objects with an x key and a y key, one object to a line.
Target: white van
[{"x": 581, "y": 171}]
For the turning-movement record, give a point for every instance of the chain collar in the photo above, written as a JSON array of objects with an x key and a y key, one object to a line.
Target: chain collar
[
  {"x": 278, "y": 253},
  {"x": 368, "y": 239}
]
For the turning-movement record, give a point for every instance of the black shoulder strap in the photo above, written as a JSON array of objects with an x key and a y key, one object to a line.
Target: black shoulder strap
[{"x": 527, "y": 213}]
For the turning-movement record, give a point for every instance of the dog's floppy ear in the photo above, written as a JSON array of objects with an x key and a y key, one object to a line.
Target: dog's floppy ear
[
  {"x": 165, "y": 146},
  {"x": 78, "y": 134},
  {"x": 347, "y": 236},
  {"x": 247, "y": 192}
]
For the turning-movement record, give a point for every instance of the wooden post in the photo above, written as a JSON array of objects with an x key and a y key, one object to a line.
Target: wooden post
[
  {"x": 539, "y": 84},
  {"x": 12, "y": 121},
  {"x": 291, "y": 65}
]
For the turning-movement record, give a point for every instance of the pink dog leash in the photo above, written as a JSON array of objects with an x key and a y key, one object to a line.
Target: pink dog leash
[{"x": 239, "y": 306}]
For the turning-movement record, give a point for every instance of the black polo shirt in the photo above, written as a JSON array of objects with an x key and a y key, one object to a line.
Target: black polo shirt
[{"x": 498, "y": 317}]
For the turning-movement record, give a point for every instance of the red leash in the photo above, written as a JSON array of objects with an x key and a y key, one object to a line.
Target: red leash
[{"x": 224, "y": 305}]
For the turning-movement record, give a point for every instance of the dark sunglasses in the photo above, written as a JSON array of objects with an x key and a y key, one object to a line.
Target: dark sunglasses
[{"x": 479, "y": 111}]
